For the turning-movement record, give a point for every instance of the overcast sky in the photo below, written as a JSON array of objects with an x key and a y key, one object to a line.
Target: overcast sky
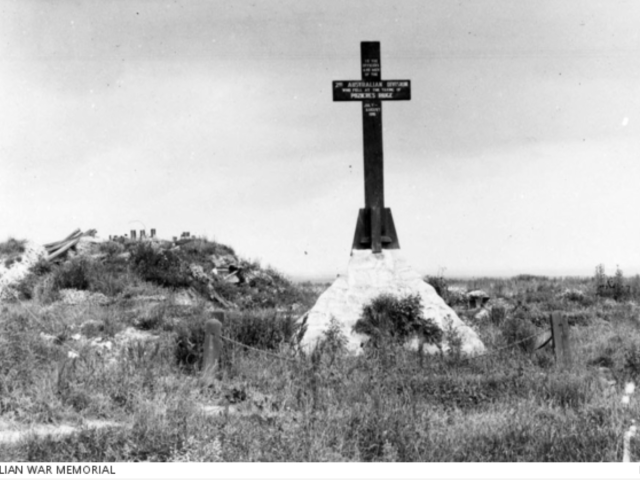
[{"x": 519, "y": 151}]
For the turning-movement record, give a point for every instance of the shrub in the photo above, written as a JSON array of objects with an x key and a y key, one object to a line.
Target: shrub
[
  {"x": 105, "y": 280},
  {"x": 12, "y": 249},
  {"x": 519, "y": 330},
  {"x": 632, "y": 362},
  {"x": 497, "y": 314},
  {"x": 611, "y": 287},
  {"x": 74, "y": 273},
  {"x": 620, "y": 353},
  {"x": 389, "y": 317},
  {"x": 163, "y": 268},
  {"x": 333, "y": 343},
  {"x": 454, "y": 341},
  {"x": 111, "y": 248},
  {"x": 264, "y": 330},
  {"x": 199, "y": 250},
  {"x": 152, "y": 319}
]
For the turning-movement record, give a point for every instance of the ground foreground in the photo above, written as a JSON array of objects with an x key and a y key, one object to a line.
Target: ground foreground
[{"x": 110, "y": 372}]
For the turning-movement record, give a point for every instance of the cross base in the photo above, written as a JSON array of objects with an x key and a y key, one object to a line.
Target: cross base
[{"x": 362, "y": 240}]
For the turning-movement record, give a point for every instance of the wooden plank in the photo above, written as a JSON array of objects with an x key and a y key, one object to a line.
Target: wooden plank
[
  {"x": 561, "y": 345},
  {"x": 212, "y": 347},
  {"x": 63, "y": 249},
  {"x": 566, "y": 344},
  {"x": 55, "y": 245}
]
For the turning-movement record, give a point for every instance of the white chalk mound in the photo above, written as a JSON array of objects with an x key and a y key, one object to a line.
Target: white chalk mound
[{"x": 369, "y": 275}]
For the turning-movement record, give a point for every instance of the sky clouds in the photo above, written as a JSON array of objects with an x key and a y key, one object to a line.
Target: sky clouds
[{"x": 518, "y": 151}]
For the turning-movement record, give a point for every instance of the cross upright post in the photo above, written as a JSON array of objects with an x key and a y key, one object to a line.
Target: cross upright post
[{"x": 375, "y": 228}]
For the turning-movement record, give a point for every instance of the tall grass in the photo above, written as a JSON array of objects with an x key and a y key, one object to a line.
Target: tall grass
[{"x": 387, "y": 405}]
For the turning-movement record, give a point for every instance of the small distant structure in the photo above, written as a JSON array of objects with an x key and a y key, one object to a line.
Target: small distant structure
[
  {"x": 477, "y": 298},
  {"x": 133, "y": 236}
]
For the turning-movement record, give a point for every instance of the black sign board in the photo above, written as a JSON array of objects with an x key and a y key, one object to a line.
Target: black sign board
[{"x": 344, "y": 90}]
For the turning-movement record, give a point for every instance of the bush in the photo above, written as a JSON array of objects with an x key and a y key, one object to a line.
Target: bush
[
  {"x": 152, "y": 319},
  {"x": 12, "y": 249},
  {"x": 111, "y": 248},
  {"x": 611, "y": 287},
  {"x": 620, "y": 353},
  {"x": 200, "y": 250},
  {"x": 520, "y": 331},
  {"x": 74, "y": 273},
  {"x": 163, "y": 268},
  {"x": 497, "y": 314},
  {"x": 388, "y": 317},
  {"x": 264, "y": 330}
]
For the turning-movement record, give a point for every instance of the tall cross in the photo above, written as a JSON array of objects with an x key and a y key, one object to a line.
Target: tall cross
[{"x": 375, "y": 228}]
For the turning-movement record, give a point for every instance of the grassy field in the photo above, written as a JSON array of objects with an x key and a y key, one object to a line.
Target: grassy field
[{"x": 126, "y": 349}]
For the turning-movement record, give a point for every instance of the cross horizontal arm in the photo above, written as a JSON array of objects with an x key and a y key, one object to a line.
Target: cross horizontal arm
[{"x": 358, "y": 90}]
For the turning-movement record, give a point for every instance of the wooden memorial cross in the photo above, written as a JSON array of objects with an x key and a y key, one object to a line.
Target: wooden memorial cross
[{"x": 375, "y": 228}]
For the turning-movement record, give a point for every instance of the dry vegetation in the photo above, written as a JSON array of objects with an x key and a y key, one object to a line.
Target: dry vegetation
[{"x": 128, "y": 351}]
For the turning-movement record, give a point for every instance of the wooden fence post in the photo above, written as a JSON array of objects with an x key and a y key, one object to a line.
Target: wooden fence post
[
  {"x": 561, "y": 345},
  {"x": 212, "y": 346}
]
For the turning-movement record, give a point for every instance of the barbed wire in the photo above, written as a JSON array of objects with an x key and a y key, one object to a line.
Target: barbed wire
[
  {"x": 266, "y": 352},
  {"x": 475, "y": 357},
  {"x": 492, "y": 352}
]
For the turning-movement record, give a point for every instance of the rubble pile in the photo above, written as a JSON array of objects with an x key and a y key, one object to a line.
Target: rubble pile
[{"x": 195, "y": 266}]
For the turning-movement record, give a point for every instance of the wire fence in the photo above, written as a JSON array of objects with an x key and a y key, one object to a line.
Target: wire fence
[
  {"x": 474, "y": 357},
  {"x": 292, "y": 359},
  {"x": 266, "y": 352}
]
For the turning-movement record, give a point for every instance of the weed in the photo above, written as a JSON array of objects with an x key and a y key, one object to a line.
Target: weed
[
  {"x": 453, "y": 340},
  {"x": 333, "y": 343}
]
